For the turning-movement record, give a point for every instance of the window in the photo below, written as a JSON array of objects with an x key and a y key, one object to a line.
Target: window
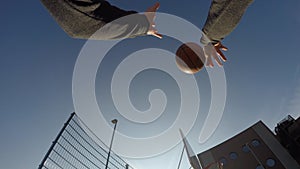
[
  {"x": 270, "y": 162},
  {"x": 245, "y": 149},
  {"x": 255, "y": 143},
  {"x": 223, "y": 160},
  {"x": 259, "y": 167},
  {"x": 233, "y": 155}
]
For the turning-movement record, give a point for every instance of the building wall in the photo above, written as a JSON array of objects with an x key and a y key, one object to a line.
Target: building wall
[
  {"x": 288, "y": 134},
  {"x": 294, "y": 131},
  {"x": 250, "y": 149},
  {"x": 281, "y": 153}
]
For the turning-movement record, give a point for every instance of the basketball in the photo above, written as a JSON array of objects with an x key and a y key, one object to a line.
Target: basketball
[{"x": 190, "y": 58}]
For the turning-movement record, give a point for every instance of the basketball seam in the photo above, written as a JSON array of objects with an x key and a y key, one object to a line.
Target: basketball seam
[{"x": 188, "y": 56}]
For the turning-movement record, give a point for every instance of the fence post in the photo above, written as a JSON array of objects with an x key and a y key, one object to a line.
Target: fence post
[{"x": 55, "y": 141}]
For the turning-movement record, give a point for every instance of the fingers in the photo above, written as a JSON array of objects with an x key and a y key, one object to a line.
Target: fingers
[
  {"x": 208, "y": 55},
  {"x": 152, "y": 31},
  {"x": 156, "y": 6},
  {"x": 153, "y": 8},
  {"x": 150, "y": 14},
  {"x": 219, "y": 46},
  {"x": 222, "y": 56},
  {"x": 216, "y": 57},
  {"x": 209, "y": 62},
  {"x": 157, "y": 35},
  {"x": 213, "y": 52}
]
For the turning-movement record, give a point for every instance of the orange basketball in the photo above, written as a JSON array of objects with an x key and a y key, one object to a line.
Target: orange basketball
[{"x": 190, "y": 58}]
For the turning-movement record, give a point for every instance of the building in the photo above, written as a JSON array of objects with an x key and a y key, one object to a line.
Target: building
[
  {"x": 254, "y": 148},
  {"x": 288, "y": 134}
]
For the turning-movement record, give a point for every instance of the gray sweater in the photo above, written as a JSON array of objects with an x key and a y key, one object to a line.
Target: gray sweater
[
  {"x": 223, "y": 17},
  {"x": 82, "y": 18}
]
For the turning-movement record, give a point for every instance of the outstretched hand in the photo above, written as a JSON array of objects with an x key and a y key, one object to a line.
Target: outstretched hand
[
  {"x": 219, "y": 46},
  {"x": 150, "y": 14},
  {"x": 213, "y": 52}
]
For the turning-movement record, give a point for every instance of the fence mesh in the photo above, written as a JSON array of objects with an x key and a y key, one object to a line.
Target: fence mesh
[{"x": 76, "y": 147}]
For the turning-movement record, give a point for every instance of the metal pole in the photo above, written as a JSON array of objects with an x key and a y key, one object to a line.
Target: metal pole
[
  {"x": 55, "y": 141},
  {"x": 114, "y": 121},
  {"x": 180, "y": 158}
]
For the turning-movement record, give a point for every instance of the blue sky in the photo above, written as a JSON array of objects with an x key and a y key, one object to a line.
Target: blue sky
[{"x": 38, "y": 58}]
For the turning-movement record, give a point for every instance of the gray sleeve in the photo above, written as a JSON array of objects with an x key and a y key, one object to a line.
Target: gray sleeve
[
  {"x": 128, "y": 26},
  {"x": 82, "y": 18},
  {"x": 223, "y": 17}
]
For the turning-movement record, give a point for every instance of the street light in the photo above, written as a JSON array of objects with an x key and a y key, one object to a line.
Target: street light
[{"x": 114, "y": 121}]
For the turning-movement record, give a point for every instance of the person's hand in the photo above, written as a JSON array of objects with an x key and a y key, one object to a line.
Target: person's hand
[
  {"x": 218, "y": 47},
  {"x": 150, "y": 14},
  {"x": 213, "y": 52}
]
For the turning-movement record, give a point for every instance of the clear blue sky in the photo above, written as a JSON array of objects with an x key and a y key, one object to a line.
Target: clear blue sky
[{"x": 38, "y": 58}]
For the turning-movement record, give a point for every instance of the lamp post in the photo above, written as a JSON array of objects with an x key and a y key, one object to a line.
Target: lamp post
[
  {"x": 114, "y": 121},
  {"x": 178, "y": 167}
]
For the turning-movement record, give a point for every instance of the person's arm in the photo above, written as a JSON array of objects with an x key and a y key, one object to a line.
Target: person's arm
[
  {"x": 129, "y": 26},
  {"x": 82, "y": 18},
  {"x": 119, "y": 23},
  {"x": 223, "y": 17}
]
